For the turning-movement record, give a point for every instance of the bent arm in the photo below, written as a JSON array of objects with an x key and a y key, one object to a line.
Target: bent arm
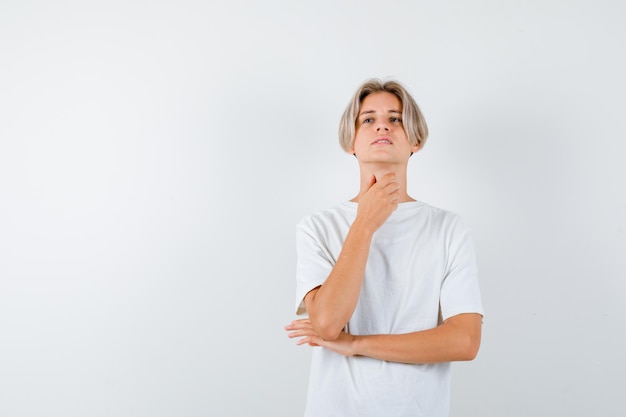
[
  {"x": 457, "y": 339},
  {"x": 331, "y": 305}
]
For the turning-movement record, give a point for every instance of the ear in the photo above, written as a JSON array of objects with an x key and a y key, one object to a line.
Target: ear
[
  {"x": 351, "y": 150},
  {"x": 415, "y": 148}
]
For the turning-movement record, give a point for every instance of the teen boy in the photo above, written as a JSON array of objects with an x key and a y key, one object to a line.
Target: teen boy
[{"x": 389, "y": 283}]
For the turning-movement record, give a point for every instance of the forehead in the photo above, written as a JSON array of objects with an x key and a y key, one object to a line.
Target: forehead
[{"x": 381, "y": 101}]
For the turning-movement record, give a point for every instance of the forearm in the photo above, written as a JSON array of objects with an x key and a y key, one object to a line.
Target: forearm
[
  {"x": 331, "y": 305},
  {"x": 456, "y": 340}
]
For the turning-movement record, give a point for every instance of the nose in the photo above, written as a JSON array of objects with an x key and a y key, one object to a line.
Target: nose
[{"x": 382, "y": 125}]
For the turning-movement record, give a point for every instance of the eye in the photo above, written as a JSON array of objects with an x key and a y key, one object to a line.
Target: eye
[
  {"x": 395, "y": 120},
  {"x": 368, "y": 120}
]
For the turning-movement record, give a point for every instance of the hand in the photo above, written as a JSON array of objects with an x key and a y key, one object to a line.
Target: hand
[
  {"x": 379, "y": 201},
  {"x": 303, "y": 328},
  {"x": 344, "y": 344}
]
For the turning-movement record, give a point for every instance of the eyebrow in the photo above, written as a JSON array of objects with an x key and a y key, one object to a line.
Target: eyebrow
[{"x": 374, "y": 111}]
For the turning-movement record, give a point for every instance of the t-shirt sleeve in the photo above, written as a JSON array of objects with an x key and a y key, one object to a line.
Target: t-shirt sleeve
[
  {"x": 460, "y": 292},
  {"x": 314, "y": 262}
]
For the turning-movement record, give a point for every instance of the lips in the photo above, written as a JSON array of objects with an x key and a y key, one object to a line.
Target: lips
[{"x": 382, "y": 140}]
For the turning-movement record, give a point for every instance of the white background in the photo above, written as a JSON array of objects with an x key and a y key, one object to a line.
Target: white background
[{"x": 156, "y": 155}]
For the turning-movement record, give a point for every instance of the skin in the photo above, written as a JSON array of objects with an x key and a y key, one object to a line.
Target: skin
[{"x": 382, "y": 150}]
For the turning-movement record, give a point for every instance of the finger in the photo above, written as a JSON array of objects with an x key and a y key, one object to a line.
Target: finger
[
  {"x": 394, "y": 195},
  {"x": 306, "y": 320},
  {"x": 296, "y": 324},
  {"x": 306, "y": 330},
  {"x": 387, "y": 178},
  {"x": 391, "y": 186},
  {"x": 311, "y": 341},
  {"x": 372, "y": 181},
  {"x": 303, "y": 341},
  {"x": 301, "y": 333},
  {"x": 297, "y": 327}
]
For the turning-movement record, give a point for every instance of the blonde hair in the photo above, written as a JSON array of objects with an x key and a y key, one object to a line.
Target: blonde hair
[{"x": 413, "y": 121}]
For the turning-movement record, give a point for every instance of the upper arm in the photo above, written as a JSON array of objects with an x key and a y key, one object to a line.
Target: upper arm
[
  {"x": 313, "y": 264},
  {"x": 460, "y": 291},
  {"x": 308, "y": 298}
]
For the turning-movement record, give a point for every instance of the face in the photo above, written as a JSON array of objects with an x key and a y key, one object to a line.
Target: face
[{"x": 380, "y": 135}]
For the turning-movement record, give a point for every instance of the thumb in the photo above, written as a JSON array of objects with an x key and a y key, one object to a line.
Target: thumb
[{"x": 372, "y": 182}]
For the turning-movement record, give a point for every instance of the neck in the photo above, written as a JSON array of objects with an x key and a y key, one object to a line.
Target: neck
[{"x": 378, "y": 170}]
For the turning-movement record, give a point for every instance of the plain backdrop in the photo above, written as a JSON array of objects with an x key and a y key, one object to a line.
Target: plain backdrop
[{"x": 155, "y": 157}]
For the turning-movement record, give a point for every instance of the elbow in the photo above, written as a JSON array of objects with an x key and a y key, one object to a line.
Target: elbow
[
  {"x": 325, "y": 321},
  {"x": 326, "y": 329},
  {"x": 469, "y": 349},
  {"x": 330, "y": 334},
  {"x": 470, "y": 354},
  {"x": 465, "y": 334}
]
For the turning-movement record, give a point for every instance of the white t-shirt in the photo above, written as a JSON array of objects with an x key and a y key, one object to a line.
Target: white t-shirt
[{"x": 421, "y": 270}]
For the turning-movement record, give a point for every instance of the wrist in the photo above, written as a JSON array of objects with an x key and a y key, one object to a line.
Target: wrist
[
  {"x": 362, "y": 228},
  {"x": 356, "y": 345}
]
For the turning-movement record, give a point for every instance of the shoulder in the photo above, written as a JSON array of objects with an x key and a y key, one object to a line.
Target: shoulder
[
  {"x": 329, "y": 217},
  {"x": 443, "y": 217},
  {"x": 445, "y": 224}
]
